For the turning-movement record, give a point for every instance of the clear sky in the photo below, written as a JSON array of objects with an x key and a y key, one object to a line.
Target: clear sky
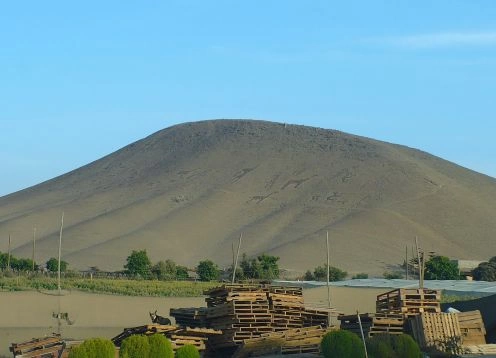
[{"x": 81, "y": 79}]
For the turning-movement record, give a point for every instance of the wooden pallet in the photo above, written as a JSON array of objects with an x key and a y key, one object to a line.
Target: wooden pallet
[
  {"x": 438, "y": 331},
  {"x": 51, "y": 346},
  {"x": 190, "y": 317},
  {"x": 480, "y": 349},
  {"x": 409, "y": 302},
  {"x": 472, "y": 328}
]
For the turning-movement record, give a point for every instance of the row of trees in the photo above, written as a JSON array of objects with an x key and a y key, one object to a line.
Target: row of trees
[{"x": 22, "y": 264}]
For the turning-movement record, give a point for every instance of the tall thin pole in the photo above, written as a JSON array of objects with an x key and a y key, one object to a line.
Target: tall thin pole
[
  {"x": 329, "y": 322},
  {"x": 406, "y": 261},
  {"x": 8, "y": 257},
  {"x": 34, "y": 245},
  {"x": 421, "y": 285},
  {"x": 237, "y": 256},
  {"x": 60, "y": 251},
  {"x": 363, "y": 336}
]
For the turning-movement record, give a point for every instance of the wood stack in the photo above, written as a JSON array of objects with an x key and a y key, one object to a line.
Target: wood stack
[
  {"x": 240, "y": 311},
  {"x": 286, "y": 306},
  {"x": 448, "y": 332},
  {"x": 409, "y": 302},
  {"x": 480, "y": 349},
  {"x": 373, "y": 324},
  {"x": 47, "y": 347},
  {"x": 291, "y": 341},
  {"x": 179, "y": 336},
  {"x": 190, "y": 317},
  {"x": 472, "y": 328}
]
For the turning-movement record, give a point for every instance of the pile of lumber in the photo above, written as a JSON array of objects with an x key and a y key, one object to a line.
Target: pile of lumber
[
  {"x": 480, "y": 349},
  {"x": 179, "y": 336},
  {"x": 286, "y": 306},
  {"x": 46, "y": 347},
  {"x": 373, "y": 324},
  {"x": 448, "y": 332},
  {"x": 190, "y": 317},
  {"x": 291, "y": 341},
  {"x": 409, "y": 302}
]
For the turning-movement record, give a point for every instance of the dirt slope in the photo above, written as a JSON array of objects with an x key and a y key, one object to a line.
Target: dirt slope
[{"x": 186, "y": 193}]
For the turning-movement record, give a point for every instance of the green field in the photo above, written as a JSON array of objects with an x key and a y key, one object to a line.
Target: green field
[{"x": 124, "y": 287}]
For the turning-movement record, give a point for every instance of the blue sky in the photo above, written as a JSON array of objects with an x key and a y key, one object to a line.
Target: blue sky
[{"x": 79, "y": 80}]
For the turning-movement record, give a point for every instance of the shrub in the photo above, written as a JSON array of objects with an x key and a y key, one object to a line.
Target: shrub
[
  {"x": 187, "y": 351},
  {"x": 392, "y": 275},
  {"x": 393, "y": 346},
  {"x": 335, "y": 274},
  {"x": 160, "y": 347},
  {"x": 486, "y": 271},
  {"x": 441, "y": 268},
  {"x": 342, "y": 344},
  {"x": 135, "y": 347},
  {"x": 94, "y": 348},
  {"x": 207, "y": 271},
  {"x": 360, "y": 276}
]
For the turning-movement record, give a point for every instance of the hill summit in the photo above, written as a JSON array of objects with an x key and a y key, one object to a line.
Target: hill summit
[{"x": 188, "y": 191}]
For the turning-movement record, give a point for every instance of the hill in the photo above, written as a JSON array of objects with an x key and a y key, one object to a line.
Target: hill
[{"x": 188, "y": 191}]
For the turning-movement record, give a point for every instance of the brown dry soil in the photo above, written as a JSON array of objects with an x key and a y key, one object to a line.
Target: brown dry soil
[
  {"x": 187, "y": 192},
  {"x": 25, "y": 315}
]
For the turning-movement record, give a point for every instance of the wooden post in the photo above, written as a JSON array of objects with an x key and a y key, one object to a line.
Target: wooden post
[
  {"x": 328, "y": 285},
  {"x": 34, "y": 245},
  {"x": 60, "y": 251},
  {"x": 363, "y": 336},
  {"x": 406, "y": 262},
  {"x": 421, "y": 284},
  {"x": 236, "y": 261},
  {"x": 8, "y": 257}
]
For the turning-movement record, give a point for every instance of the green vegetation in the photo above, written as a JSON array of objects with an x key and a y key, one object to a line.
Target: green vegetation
[
  {"x": 207, "y": 271},
  {"x": 160, "y": 347},
  {"x": 320, "y": 274},
  {"x": 441, "y": 268},
  {"x": 486, "y": 271},
  {"x": 109, "y": 286},
  {"x": 168, "y": 270},
  {"x": 392, "y": 346},
  {"x": 18, "y": 264},
  {"x": 94, "y": 348},
  {"x": 53, "y": 265},
  {"x": 360, "y": 276},
  {"x": 342, "y": 344},
  {"x": 138, "y": 264},
  {"x": 263, "y": 267},
  {"x": 392, "y": 275},
  {"x": 135, "y": 346},
  {"x": 187, "y": 351}
]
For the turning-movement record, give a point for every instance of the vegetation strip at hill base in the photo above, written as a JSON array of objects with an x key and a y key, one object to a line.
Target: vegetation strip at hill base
[{"x": 110, "y": 286}]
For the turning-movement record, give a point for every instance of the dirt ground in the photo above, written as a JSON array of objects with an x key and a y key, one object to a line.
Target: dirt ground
[{"x": 24, "y": 315}]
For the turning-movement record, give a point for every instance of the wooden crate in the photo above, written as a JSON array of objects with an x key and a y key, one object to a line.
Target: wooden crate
[
  {"x": 438, "y": 331},
  {"x": 51, "y": 346},
  {"x": 409, "y": 302},
  {"x": 472, "y": 328}
]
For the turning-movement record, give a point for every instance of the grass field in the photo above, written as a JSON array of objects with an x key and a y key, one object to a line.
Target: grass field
[{"x": 152, "y": 288}]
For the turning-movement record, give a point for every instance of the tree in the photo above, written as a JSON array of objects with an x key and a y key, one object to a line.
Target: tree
[
  {"x": 160, "y": 347},
  {"x": 263, "y": 267},
  {"x": 342, "y": 344},
  {"x": 181, "y": 272},
  {"x": 441, "y": 268},
  {"x": 94, "y": 348},
  {"x": 207, "y": 271},
  {"x": 309, "y": 276},
  {"x": 135, "y": 346},
  {"x": 187, "y": 351},
  {"x": 138, "y": 263},
  {"x": 53, "y": 265},
  {"x": 165, "y": 270},
  {"x": 486, "y": 271},
  {"x": 335, "y": 274}
]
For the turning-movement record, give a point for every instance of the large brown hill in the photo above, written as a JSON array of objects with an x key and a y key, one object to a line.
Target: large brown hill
[{"x": 188, "y": 191}]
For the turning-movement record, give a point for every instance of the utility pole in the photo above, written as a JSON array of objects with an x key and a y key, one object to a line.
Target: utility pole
[
  {"x": 34, "y": 246},
  {"x": 8, "y": 257},
  {"x": 328, "y": 286},
  {"x": 406, "y": 262},
  {"x": 236, "y": 261}
]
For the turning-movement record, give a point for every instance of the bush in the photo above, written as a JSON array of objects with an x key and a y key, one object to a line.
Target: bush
[
  {"x": 393, "y": 346},
  {"x": 342, "y": 344},
  {"x": 207, "y": 271},
  {"x": 94, "y": 348},
  {"x": 187, "y": 351},
  {"x": 160, "y": 347},
  {"x": 441, "y": 268},
  {"x": 486, "y": 271},
  {"x": 392, "y": 275},
  {"x": 360, "y": 276},
  {"x": 335, "y": 274},
  {"x": 135, "y": 347}
]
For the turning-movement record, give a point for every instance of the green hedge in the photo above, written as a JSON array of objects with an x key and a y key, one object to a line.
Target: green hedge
[
  {"x": 94, "y": 348},
  {"x": 342, "y": 343},
  {"x": 187, "y": 351}
]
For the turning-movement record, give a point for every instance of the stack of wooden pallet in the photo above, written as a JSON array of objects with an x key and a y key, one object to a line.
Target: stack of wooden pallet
[
  {"x": 178, "y": 336},
  {"x": 46, "y": 347},
  {"x": 409, "y": 302},
  {"x": 286, "y": 306},
  {"x": 291, "y": 341},
  {"x": 448, "y": 332},
  {"x": 240, "y": 311},
  {"x": 190, "y": 317},
  {"x": 373, "y": 324}
]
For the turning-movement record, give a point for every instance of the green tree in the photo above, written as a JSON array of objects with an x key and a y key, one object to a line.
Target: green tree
[
  {"x": 342, "y": 344},
  {"x": 135, "y": 346},
  {"x": 207, "y": 270},
  {"x": 181, "y": 272},
  {"x": 52, "y": 265},
  {"x": 359, "y": 276},
  {"x": 441, "y": 268},
  {"x": 160, "y": 347},
  {"x": 263, "y": 267},
  {"x": 486, "y": 271},
  {"x": 392, "y": 275},
  {"x": 165, "y": 270},
  {"x": 138, "y": 263},
  {"x": 187, "y": 351},
  {"x": 335, "y": 274},
  {"x": 94, "y": 348},
  {"x": 309, "y": 276}
]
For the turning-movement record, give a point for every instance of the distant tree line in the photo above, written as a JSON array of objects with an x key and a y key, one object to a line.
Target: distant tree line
[{"x": 23, "y": 264}]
